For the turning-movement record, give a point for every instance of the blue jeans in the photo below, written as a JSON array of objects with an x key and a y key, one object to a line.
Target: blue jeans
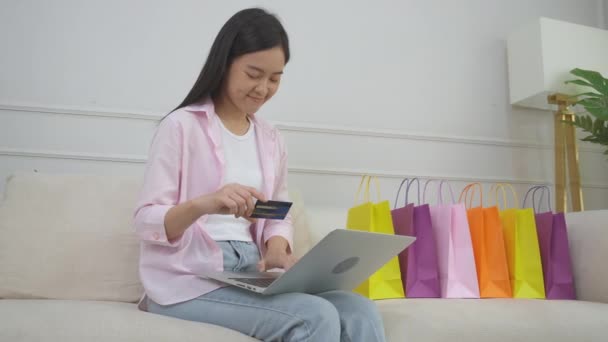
[{"x": 330, "y": 316}]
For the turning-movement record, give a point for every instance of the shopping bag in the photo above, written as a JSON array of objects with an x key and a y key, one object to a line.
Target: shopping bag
[
  {"x": 521, "y": 244},
  {"x": 376, "y": 218},
  {"x": 488, "y": 246},
  {"x": 457, "y": 274},
  {"x": 419, "y": 268},
  {"x": 554, "y": 248}
]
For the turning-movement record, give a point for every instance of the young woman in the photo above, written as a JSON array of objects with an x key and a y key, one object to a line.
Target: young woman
[{"x": 209, "y": 161}]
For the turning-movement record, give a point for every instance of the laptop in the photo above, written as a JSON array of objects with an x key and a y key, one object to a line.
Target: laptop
[{"x": 340, "y": 261}]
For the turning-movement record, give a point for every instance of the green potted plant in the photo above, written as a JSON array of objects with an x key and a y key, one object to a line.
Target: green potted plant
[{"x": 595, "y": 102}]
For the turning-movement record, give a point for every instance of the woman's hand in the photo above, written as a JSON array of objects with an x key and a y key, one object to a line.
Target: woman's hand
[
  {"x": 277, "y": 255},
  {"x": 234, "y": 199}
]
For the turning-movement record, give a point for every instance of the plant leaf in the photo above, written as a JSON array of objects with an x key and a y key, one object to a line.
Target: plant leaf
[
  {"x": 597, "y": 107},
  {"x": 598, "y": 82},
  {"x": 588, "y": 122},
  {"x": 600, "y": 113},
  {"x": 580, "y": 82},
  {"x": 591, "y": 103},
  {"x": 595, "y": 103},
  {"x": 589, "y": 94}
]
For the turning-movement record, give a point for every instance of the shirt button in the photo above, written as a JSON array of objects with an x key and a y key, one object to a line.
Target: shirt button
[{"x": 156, "y": 236}]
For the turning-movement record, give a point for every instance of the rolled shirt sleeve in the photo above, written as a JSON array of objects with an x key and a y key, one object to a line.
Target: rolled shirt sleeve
[
  {"x": 160, "y": 190},
  {"x": 283, "y": 228}
]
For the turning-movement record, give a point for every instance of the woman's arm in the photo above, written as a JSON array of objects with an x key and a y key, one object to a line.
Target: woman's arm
[
  {"x": 278, "y": 235},
  {"x": 160, "y": 189},
  {"x": 183, "y": 215},
  {"x": 232, "y": 199},
  {"x": 159, "y": 218},
  {"x": 282, "y": 228}
]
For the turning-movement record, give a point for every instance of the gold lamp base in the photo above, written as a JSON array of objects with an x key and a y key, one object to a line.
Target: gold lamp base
[{"x": 566, "y": 155}]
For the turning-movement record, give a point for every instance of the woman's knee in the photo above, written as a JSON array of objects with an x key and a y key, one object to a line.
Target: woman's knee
[
  {"x": 350, "y": 302},
  {"x": 320, "y": 317},
  {"x": 359, "y": 316}
]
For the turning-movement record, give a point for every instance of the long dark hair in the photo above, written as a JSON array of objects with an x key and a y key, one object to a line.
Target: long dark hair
[{"x": 247, "y": 31}]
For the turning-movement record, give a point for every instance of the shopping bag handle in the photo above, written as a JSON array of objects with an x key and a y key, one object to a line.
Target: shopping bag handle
[
  {"x": 407, "y": 191},
  {"x": 548, "y": 190},
  {"x": 408, "y": 183},
  {"x": 501, "y": 186},
  {"x": 405, "y": 181},
  {"x": 439, "y": 190},
  {"x": 534, "y": 189},
  {"x": 470, "y": 189},
  {"x": 366, "y": 195}
]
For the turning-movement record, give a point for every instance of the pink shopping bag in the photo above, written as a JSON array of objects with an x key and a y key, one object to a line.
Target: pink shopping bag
[{"x": 457, "y": 273}]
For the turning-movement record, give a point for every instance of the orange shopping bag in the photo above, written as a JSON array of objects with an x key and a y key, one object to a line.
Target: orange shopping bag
[{"x": 488, "y": 246}]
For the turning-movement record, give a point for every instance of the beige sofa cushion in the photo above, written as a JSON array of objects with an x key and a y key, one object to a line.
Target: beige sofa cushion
[
  {"x": 71, "y": 237},
  {"x": 429, "y": 320},
  {"x": 76, "y": 321},
  {"x": 302, "y": 241},
  {"x": 495, "y": 320}
]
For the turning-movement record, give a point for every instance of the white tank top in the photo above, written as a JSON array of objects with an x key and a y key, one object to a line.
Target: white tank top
[{"x": 242, "y": 166}]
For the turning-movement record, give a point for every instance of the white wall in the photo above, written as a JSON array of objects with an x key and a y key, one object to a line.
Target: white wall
[
  {"x": 397, "y": 88},
  {"x": 605, "y": 13}
]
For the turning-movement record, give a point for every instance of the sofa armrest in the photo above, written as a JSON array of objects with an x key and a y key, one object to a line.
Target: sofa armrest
[{"x": 588, "y": 235}]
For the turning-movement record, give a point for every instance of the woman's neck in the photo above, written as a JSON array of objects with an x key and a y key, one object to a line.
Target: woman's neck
[{"x": 235, "y": 120}]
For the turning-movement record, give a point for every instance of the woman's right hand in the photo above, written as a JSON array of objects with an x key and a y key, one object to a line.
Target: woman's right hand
[{"x": 234, "y": 199}]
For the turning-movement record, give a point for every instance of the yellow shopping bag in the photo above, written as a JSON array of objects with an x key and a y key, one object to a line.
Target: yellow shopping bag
[
  {"x": 376, "y": 217},
  {"x": 523, "y": 252}
]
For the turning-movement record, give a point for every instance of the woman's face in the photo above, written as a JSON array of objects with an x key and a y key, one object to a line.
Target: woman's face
[{"x": 253, "y": 79}]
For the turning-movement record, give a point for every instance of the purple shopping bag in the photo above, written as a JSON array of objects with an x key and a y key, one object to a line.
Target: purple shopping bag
[
  {"x": 457, "y": 272},
  {"x": 419, "y": 269},
  {"x": 554, "y": 249}
]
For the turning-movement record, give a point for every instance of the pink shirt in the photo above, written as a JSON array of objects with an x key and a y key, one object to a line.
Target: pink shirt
[{"x": 185, "y": 161}]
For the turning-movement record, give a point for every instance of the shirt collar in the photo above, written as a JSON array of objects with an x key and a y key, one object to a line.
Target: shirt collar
[{"x": 207, "y": 108}]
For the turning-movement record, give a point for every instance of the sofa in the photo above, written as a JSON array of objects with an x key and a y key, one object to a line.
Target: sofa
[{"x": 69, "y": 272}]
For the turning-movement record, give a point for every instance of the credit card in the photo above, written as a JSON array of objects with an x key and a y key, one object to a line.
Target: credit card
[{"x": 271, "y": 210}]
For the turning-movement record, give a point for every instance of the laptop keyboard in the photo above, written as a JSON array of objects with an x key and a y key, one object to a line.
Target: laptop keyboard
[{"x": 259, "y": 282}]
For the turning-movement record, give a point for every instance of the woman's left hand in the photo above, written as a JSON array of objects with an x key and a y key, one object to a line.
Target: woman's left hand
[{"x": 277, "y": 256}]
